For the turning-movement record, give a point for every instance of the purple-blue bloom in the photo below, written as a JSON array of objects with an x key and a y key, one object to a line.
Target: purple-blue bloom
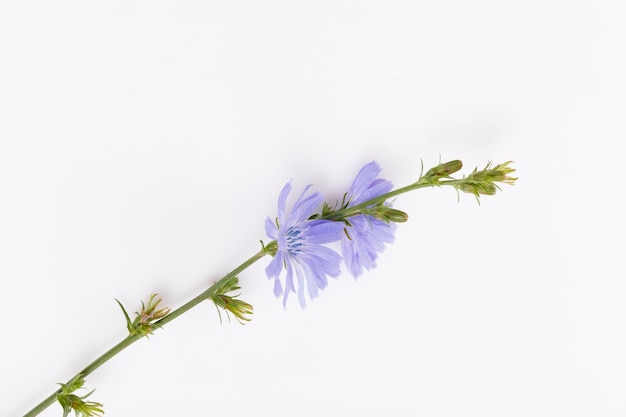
[
  {"x": 366, "y": 236},
  {"x": 300, "y": 246}
]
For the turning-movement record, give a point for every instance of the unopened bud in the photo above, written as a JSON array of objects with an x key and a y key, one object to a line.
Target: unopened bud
[
  {"x": 144, "y": 322},
  {"x": 477, "y": 189},
  {"x": 444, "y": 170},
  {"x": 230, "y": 303},
  {"x": 388, "y": 214},
  {"x": 483, "y": 182}
]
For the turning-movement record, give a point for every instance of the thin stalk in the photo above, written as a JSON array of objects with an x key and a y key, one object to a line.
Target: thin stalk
[
  {"x": 356, "y": 209},
  {"x": 129, "y": 340},
  {"x": 208, "y": 293}
]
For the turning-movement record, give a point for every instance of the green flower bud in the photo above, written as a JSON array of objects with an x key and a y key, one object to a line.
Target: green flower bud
[
  {"x": 72, "y": 402},
  {"x": 444, "y": 170},
  {"x": 239, "y": 308},
  {"x": 229, "y": 303},
  {"x": 483, "y": 182},
  {"x": 144, "y": 322},
  {"x": 478, "y": 188},
  {"x": 387, "y": 214}
]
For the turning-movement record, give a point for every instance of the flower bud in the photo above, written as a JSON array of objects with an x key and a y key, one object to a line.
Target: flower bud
[
  {"x": 144, "y": 322},
  {"x": 230, "y": 303},
  {"x": 387, "y": 214},
  {"x": 72, "y": 402},
  {"x": 239, "y": 308},
  {"x": 483, "y": 182},
  {"x": 444, "y": 170},
  {"x": 478, "y": 188}
]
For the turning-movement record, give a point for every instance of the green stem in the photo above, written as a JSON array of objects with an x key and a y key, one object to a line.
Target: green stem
[
  {"x": 208, "y": 293},
  {"x": 421, "y": 183},
  {"x": 129, "y": 340}
]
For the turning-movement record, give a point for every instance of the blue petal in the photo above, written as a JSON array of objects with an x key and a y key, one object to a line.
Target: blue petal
[
  {"x": 368, "y": 237},
  {"x": 278, "y": 289},
  {"x": 300, "y": 275},
  {"x": 364, "y": 178},
  {"x": 377, "y": 188},
  {"x": 275, "y": 265},
  {"x": 270, "y": 229},
  {"x": 288, "y": 282},
  {"x": 282, "y": 202},
  {"x": 304, "y": 207},
  {"x": 324, "y": 260},
  {"x": 366, "y": 186},
  {"x": 323, "y": 231}
]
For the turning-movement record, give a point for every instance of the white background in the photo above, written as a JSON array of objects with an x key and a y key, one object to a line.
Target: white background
[{"x": 143, "y": 143}]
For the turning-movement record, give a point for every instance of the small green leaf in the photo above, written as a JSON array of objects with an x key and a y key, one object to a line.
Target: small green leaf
[{"x": 129, "y": 324}]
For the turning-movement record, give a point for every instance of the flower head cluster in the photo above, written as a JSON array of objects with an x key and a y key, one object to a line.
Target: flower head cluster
[{"x": 302, "y": 233}]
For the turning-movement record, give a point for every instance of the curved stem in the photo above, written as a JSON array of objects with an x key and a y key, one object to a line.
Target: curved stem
[{"x": 129, "y": 340}]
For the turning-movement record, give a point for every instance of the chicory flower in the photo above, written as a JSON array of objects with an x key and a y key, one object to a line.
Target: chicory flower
[
  {"x": 365, "y": 235},
  {"x": 301, "y": 251}
]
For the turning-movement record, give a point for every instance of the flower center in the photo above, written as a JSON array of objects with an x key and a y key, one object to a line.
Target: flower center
[{"x": 293, "y": 240}]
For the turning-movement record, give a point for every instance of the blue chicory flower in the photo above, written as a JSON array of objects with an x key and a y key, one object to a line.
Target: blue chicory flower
[
  {"x": 366, "y": 235},
  {"x": 300, "y": 246}
]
